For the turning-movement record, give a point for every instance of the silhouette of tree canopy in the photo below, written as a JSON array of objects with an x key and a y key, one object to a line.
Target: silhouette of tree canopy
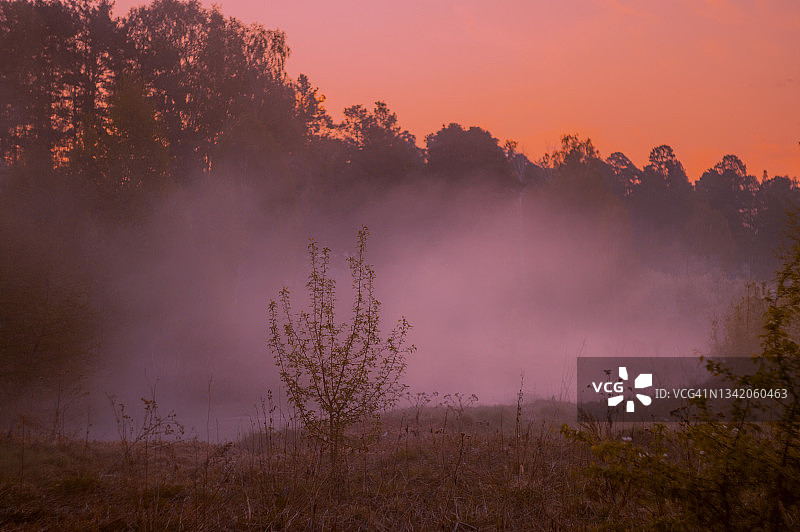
[
  {"x": 523, "y": 169},
  {"x": 208, "y": 75},
  {"x": 580, "y": 181},
  {"x": 775, "y": 198},
  {"x": 731, "y": 191},
  {"x": 455, "y": 154},
  {"x": 58, "y": 59},
  {"x": 665, "y": 170},
  {"x": 126, "y": 109},
  {"x": 205, "y": 76},
  {"x": 573, "y": 152},
  {"x": 662, "y": 199},
  {"x": 577, "y": 164},
  {"x": 626, "y": 176},
  {"x": 379, "y": 149}
]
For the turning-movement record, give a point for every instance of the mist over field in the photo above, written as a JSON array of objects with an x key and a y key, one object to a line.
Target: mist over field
[
  {"x": 225, "y": 305},
  {"x": 494, "y": 284}
]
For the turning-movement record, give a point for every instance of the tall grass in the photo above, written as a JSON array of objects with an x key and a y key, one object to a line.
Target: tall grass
[{"x": 449, "y": 465}]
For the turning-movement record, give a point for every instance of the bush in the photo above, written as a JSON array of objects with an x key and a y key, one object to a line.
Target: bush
[
  {"x": 338, "y": 374},
  {"x": 714, "y": 472}
]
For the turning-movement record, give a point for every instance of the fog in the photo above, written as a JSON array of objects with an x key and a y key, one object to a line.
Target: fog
[
  {"x": 495, "y": 284},
  {"x": 163, "y": 183}
]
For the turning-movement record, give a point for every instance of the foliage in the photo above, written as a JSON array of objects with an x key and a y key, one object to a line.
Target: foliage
[
  {"x": 154, "y": 427},
  {"x": 731, "y": 190},
  {"x": 738, "y": 332},
  {"x": 338, "y": 374},
  {"x": 662, "y": 199},
  {"x": 456, "y": 154},
  {"x": 379, "y": 149},
  {"x": 131, "y": 107},
  {"x": 724, "y": 472},
  {"x": 50, "y": 323},
  {"x": 626, "y": 176},
  {"x": 49, "y": 336},
  {"x": 573, "y": 152}
]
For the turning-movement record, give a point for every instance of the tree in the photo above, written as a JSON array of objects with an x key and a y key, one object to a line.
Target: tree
[
  {"x": 522, "y": 169},
  {"x": 665, "y": 170},
  {"x": 775, "y": 198},
  {"x": 722, "y": 470},
  {"x": 779, "y": 367},
  {"x": 662, "y": 199},
  {"x": 36, "y": 53},
  {"x": 50, "y": 323},
  {"x": 136, "y": 151},
  {"x": 338, "y": 374},
  {"x": 625, "y": 174},
  {"x": 206, "y": 75},
  {"x": 746, "y": 458},
  {"x": 58, "y": 61},
  {"x": 49, "y": 333},
  {"x": 577, "y": 167},
  {"x": 309, "y": 108},
  {"x": 458, "y": 154},
  {"x": 573, "y": 152},
  {"x": 729, "y": 189},
  {"x": 579, "y": 179},
  {"x": 708, "y": 235},
  {"x": 380, "y": 150}
]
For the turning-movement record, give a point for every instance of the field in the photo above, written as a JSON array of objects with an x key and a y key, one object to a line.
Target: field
[
  {"x": 440, "y": 464},
  {"x": 433, "y": 468}
]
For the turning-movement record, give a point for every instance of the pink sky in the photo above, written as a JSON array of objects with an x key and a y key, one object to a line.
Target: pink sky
[{"x": 707, "y": 77}]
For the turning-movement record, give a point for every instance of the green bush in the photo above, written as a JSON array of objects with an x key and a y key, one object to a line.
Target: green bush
[{"x": 711, "y": 472}]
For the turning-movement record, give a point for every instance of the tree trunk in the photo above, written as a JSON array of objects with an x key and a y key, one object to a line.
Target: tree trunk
[{"x": 333, "y": 435}]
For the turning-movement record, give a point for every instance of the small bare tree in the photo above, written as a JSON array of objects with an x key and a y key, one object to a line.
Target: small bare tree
[{"x": 338, "y": 374}]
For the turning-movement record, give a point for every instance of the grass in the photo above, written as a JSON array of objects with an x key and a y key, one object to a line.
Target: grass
[{"x": 434, "y": 468}]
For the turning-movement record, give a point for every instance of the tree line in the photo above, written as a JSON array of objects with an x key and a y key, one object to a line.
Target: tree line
[
  {"x": 103, "y": 116},
  {"x": 128, "y": 107}
]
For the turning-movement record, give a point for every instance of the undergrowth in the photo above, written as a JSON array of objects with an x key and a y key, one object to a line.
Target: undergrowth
[{"x": 452, "y": 466}]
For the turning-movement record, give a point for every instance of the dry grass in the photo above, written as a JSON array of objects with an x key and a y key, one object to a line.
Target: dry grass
[{"x": 434, "y": 468}]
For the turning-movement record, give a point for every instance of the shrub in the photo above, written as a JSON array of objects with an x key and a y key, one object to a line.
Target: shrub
[{"x": 338, "y": 374}]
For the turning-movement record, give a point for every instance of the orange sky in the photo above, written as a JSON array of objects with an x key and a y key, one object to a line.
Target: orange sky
[{"x": 707, "y": 77}]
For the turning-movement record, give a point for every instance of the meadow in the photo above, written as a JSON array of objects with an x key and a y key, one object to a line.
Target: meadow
[{"x": 444, "y": 467}]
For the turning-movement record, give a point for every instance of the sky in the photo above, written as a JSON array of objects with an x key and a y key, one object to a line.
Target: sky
[{"x": 707, "y": 77}]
